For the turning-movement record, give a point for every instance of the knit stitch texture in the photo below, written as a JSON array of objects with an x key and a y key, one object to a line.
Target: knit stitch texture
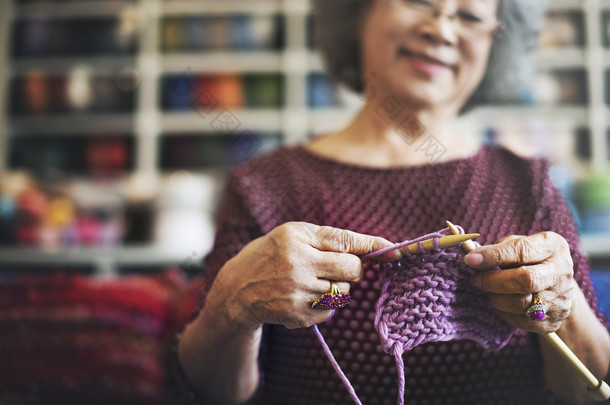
[{"x": 428, "y": 297}]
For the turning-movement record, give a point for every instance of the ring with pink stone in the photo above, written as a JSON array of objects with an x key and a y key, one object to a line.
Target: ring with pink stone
[{"x": 536, "y": 311}]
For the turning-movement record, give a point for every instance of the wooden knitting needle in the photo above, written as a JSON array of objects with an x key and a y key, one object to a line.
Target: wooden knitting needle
[
  {"x": 597, "y": 389},
  {"x": 443, "y": 242}
]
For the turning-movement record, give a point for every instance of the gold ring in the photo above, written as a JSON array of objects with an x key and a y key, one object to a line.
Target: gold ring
[
  {"x": 332, "y": 300},
  {"x": 536, "y": 311}
]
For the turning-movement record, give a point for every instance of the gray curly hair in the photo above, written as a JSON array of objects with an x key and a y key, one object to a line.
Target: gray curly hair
[{"x": 510, "y": 69}]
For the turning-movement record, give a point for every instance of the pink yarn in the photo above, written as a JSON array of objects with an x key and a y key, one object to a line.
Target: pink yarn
[{"x": 428, "y": 297}]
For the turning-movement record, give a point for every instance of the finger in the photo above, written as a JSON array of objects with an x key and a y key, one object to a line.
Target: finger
[
  {"x": 343, "y": 286},
  {"x": 310, "y": 317},
  {"x": 319, "y": 286},
  {"x": 510, "y": 237},
  {"x": 295, "y": 311},
  {"x": 324, "y": 287},
  {"x": 516, "y": 304},
  {"x": 519, "y": 280},
  {"x": 547, "y": 325},
  {"x": 306, "y": 318},
  {"x": 316, "y": 316},
  {"x": 516, "y": 251},
  {"x": 338, "y": 266},
  {"x": 309, "y": 282},
  {"x": 346, "y": 241}
]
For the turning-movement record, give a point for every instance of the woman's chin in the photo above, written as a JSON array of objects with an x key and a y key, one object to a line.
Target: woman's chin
[
  {"x": 425, "y": 95},
  {"x": 421, "y": 100}
]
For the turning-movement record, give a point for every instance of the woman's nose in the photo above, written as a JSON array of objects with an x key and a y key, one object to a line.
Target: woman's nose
[{"x": 440, "y": 28}]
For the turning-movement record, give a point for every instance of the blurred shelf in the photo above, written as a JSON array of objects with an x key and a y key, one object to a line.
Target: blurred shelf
[
  {"x": 253, "y": 7},
  {"x": 246, "y": 61},
  {"x": 555, "y": 115},
  {"x": 324, "y": 118},
  {"x": 190, "y": 7},
  {"x": 297, "y": 8},
  {"x": 64, "y": 64},
  {"x": 565, "y": 5},
  {"x": 315, "y": 62},
  {"x": 254, "y": 120},
  {"x": 569, "y": 57},
  {"x": 606, "y": 55},
  {"x": 68, "y": 124},
  {"x": 105, "y": 260},
  {"x": 74, "y": 9},
  {"x": 596, "y": 245}
]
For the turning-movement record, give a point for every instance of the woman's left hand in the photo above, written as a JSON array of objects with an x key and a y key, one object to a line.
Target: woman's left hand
[{"x": 538, "y": 263}]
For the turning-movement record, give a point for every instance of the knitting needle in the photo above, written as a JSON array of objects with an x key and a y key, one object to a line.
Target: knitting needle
[
  {"x": 597, "y": 389},
  {"x": 443, "y": 242}
]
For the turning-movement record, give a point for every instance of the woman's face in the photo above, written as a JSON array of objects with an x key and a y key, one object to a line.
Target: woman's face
[{"x": 428, "y": 58}]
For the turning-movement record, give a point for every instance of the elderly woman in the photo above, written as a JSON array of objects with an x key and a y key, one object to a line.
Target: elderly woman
[{"x": 296, "y": 220}]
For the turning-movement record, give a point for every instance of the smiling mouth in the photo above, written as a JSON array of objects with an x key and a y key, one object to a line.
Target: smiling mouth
[{"x": 424, "y": 58}]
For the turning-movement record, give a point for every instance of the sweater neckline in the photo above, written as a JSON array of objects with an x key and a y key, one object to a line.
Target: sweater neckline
[{"x": 372, "y": 169}]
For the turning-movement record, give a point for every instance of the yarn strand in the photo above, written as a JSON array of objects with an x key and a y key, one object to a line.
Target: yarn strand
[
  {"x": 336, "y": 366},
  {"x": 400, "y": 370}
]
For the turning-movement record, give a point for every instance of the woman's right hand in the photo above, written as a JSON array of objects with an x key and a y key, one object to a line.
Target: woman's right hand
[{"x": 275, "y": 278}]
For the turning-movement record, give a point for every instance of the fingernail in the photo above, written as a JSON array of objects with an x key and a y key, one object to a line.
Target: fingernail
[
  {"x": 394, "y": 254},
  {"x": 473, "y": 259},
  {"x": 476, "y": 281}
]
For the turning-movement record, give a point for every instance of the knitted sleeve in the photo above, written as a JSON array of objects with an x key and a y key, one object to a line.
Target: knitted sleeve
[{"x": 554, "y": 215}]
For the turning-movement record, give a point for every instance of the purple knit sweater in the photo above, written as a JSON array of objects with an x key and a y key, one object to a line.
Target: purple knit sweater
[{"x": 494, "y": 193}]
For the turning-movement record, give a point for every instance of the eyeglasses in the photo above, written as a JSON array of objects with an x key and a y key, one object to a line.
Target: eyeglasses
[{"x": 468, "y": 19}]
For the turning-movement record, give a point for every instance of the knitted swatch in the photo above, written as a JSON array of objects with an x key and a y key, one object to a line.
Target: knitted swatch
[{"x": 428, "y": 297}]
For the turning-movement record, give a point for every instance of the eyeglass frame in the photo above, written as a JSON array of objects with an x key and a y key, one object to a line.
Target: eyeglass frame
[{"x": 437, "y": 11}]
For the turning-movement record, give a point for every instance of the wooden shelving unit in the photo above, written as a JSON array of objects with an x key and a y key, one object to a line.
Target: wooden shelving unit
[
  {"x": 295, "y": 119},
  {"x": 6, "y": 14},
  {"x": 102, "y": 260}
]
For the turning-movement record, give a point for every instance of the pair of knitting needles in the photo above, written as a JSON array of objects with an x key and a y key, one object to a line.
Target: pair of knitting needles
[
  {"x": 428, "y": 244},
  {"x": 597, "y": 389}
]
